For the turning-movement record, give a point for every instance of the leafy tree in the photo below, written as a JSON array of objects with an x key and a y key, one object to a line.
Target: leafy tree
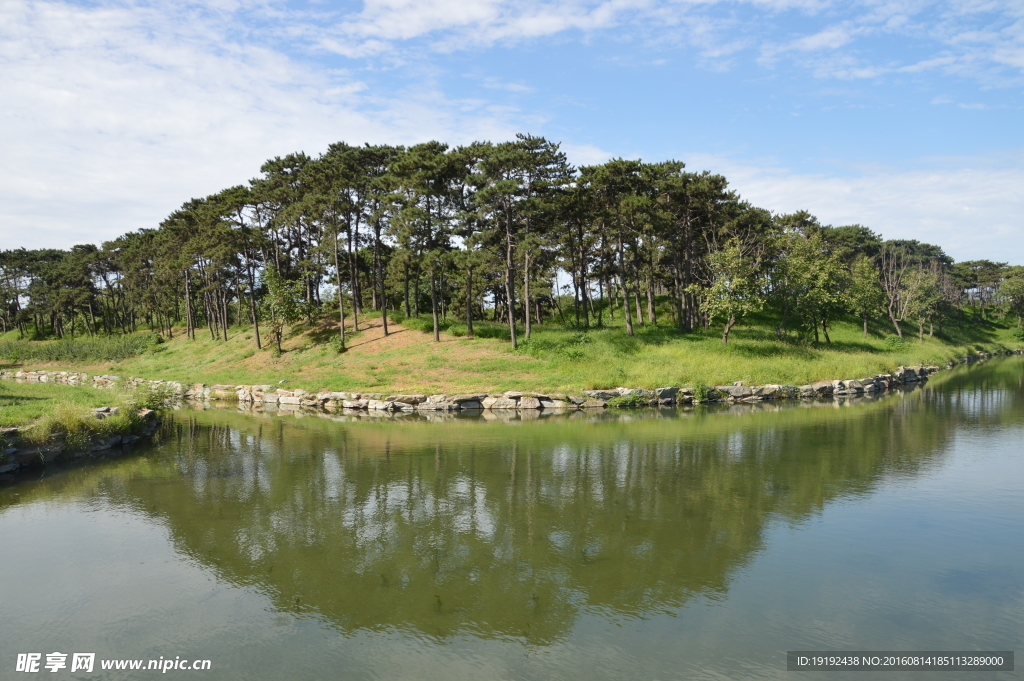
[
  {"x": 736, "y": 289},
  {"x": 865, "y": 292}
]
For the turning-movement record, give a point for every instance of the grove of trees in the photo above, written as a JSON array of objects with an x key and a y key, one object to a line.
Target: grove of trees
[{"x": 484, "y": 232}]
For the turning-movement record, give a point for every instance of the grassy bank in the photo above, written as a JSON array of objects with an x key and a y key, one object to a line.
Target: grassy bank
[
  {"x": 43, "y": 411},
  {"x": 556, "y": 358}
]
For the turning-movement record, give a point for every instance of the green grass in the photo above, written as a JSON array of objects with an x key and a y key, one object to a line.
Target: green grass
[
  {"x": 556, "y": 359},
  {"x": 21, "y": 403},
  {"x": 44, "y": 411}
]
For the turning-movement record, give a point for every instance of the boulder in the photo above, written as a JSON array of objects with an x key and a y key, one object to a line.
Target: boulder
[
  {"x": 601, "y": 395},
  {"x": 289, "y": 399},
  {"x": 822, "y": 388},
  {"x": 666, "y": 393},
  {"x": 638, "y": 392},
  {"x": 594, "y": 404},
  {"x": 476, "y": 397},
  {"x": 504, "y": 403},
  {"x": 380, "y": 405},
  {"x": 354, "y": 404},
  {"x": 408, "y": 399},
  {"x": 527, "y": 402},
  {"x": 554, "y": 404},
  {"x": 735, "y": 391},
  {"x": 470, "y": 404}
]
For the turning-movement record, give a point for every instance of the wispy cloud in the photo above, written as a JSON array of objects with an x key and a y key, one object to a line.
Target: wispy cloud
[{"x": 971, "y": 207}]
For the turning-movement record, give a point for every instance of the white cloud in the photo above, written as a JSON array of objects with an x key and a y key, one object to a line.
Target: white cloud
[
  {"x": 972, "y": 208},
  {"x": 113, "y": 116}
]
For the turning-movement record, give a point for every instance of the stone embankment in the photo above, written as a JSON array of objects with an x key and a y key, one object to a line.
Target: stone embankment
[
  {"x": 18, "y": 452},
  {"x": 511, "y": 400},
  {"x": 293, "y": 399}
]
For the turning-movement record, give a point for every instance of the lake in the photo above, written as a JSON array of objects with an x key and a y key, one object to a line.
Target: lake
[{"x": 691, "y": 543}]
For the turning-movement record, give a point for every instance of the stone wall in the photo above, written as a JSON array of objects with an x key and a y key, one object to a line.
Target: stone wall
[
  {"x": 18, "y": 453},
  {"x": 286, "y": 399}
]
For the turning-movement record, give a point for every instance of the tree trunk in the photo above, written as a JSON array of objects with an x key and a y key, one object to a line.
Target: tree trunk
[
  {"x": 433, "y": 305},
  {"x": 510, "y": 283},
  {"x": 728, "y": 327},
  {"x": 895, "y": 322},
  {"x": 406, "y": 284},
  {"x": 526, "y": 294},
  {"x": 650, "y": 303},
  {"x": 865, "y": 318},
  {"x": 469, "y": 301},
  {"x": 341, "y": 296},
  {"x": 625, "y": 290},
  {"x": 189, "y": 330},
  {"x": 824, "y": 330}
]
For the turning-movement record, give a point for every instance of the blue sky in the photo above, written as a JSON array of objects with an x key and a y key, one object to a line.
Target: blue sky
[{"x": 903, "y": 116}]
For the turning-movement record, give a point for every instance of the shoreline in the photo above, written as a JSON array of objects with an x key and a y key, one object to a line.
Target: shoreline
[
  {"x": 512, "y": 400},
  {"x": 18, "y": 455}
]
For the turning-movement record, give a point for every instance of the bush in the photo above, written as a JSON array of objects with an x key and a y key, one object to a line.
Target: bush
[
  {"x": 894, "y": 343},
  {"x": 483, "y": 330},
  {"x": 73, "y": 350},
  {"x": 627, "y": 401}
]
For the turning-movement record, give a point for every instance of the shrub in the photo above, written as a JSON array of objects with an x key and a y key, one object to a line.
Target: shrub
[
  {"x": 627, "y": 401},
  {"x": 894, "y": 343},
  {"x": 701, "y": 392},
  {"x": 106, "y": 348}
]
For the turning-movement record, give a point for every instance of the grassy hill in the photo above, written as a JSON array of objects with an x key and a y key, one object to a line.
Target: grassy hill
[{"x": 556, "y": 358}]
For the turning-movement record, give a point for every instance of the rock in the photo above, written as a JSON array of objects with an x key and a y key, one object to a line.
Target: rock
[
  {"x": 504, "y": 403},
  {"x": 735, "y": 391},
  {"x": 822, "y": 388},
  {"x": 354, "y": 404},
  {"x": 289, "y": 399},
  {"x": 380, "y": 405},
  {"x": 488, "y": 402},
  {"x": 601, "y": 395},
  {"x": 8, "y": 467},
  {"x": 527, "y": 402},
  {"x": 437, "y": 398},
  {"x": 906, "y": 374},
  {"x": 638, "y": 392},
  {"x": 409, "y": 399},
  {"x": 478, "y": 397},
  {"x": 594, "y": 403},
  {"x": 577, "y": 401},
  {"x": 666, "y": 393},
  {"x": 554, "y": 404},
  {"x": 470, "y": 404},
  {"x": 104, "y": 443},
  {"x": 513, "y": 394}
]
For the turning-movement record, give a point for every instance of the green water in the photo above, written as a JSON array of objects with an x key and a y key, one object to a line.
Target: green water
[{"x": 689, "y": 544}]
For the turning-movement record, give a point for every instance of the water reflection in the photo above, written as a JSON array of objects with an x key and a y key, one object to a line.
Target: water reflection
[{"x": 515, "y": 531}]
